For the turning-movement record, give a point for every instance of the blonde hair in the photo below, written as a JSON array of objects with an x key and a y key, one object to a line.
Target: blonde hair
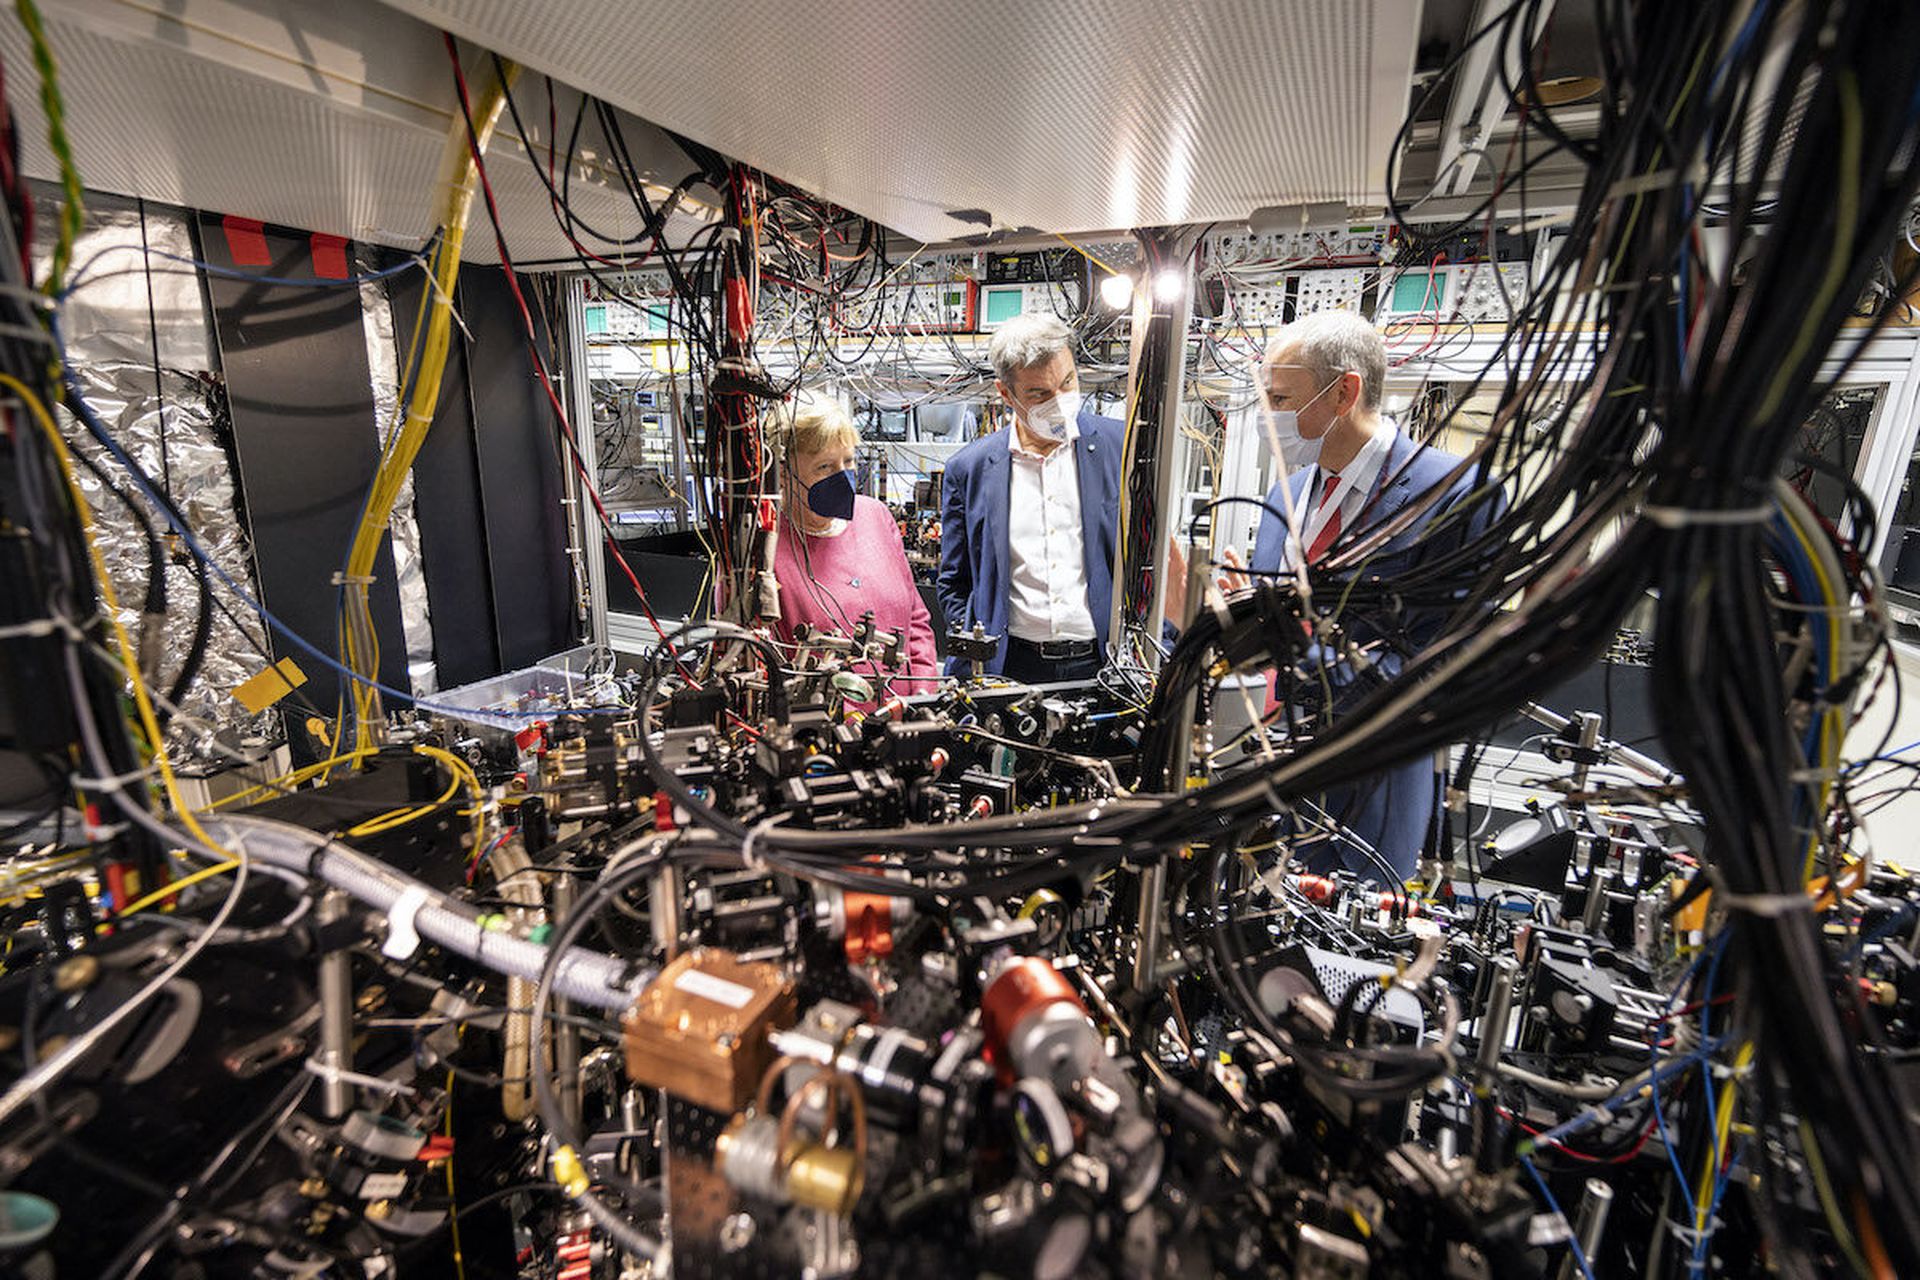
[{"x": 808, "y": 423}]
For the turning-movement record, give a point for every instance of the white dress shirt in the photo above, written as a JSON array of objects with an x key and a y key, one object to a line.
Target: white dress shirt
[
  {"x": 1046, "y": 551},
  {"x": 1352, "y": 486}
]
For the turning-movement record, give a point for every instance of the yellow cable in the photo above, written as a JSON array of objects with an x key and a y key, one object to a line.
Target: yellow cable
[
  {"x": 1832, "y": 720},
  {"x": 1083, "y": 252},
  {"x": 460, "y": 178},
  {"x": 1817, "y": 1166},
  {"x": 1723, "y": 1123},
  {"x": 460, "y": 773},
  {"x": 168, "y": 890},
  {"x": 453, "y": 1204},
  {"x": 150, "y": 724},
  {"x": 293, "y": 778},
  {"x": 471, "y": 780}
]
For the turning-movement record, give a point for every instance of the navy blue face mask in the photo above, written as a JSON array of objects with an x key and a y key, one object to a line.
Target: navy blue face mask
[{"x": 832, "y": 497}]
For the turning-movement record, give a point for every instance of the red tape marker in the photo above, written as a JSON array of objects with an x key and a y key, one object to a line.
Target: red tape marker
[
  {"x": 329, "y": 256},
  {"x": 246, "y": 242}
]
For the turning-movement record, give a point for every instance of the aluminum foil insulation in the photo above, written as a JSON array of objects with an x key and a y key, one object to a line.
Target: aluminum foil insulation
[
  {"x": 187, "y": 412},
  {"x": 140, "y": 344},
  {"x": 383, "y": 363}
]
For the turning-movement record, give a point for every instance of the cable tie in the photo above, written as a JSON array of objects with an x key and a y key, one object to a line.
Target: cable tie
[
  {"x": 1682, "y": 517},
  {"x": 1828, "y": 774},
  {"x": 747, "y": 856},
  {"x": 403, "y": 937},
  {"x": 113, "y": 782},
  {"x": 336, "y": 1075},
  {"x": 54, "y": 626},
  {"x": 1770, "y": 905},
  {"x": 433, "y": 282},
  {"x": 1658, "y": 180},
  {"x": 341, "y": 578}
]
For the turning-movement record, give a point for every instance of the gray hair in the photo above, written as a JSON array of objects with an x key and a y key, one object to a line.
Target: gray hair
[
  {"x": 1330, "y": 343},
  {"x": 1025, "y": 341}
]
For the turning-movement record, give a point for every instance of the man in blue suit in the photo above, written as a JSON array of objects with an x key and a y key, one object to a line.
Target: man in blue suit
[
  {"x": 1028, "y": 515},
  {"x": 1349, "y": 472}
]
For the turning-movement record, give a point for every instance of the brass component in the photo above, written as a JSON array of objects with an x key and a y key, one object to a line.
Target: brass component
[
  {"x": 824, "y": 1178},
  {"x": 74, "y": 973},
  {"x": 313, "y": 1188},
  {"x": 700, "y": 1030},
  {"x": 380, "y": 1210},
  {"x": 9, "y": 1038}
]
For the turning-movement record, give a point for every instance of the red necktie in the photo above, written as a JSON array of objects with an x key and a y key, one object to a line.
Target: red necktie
[
  {"x": 1330, "y": 530},
  {"x": 1321, "y": 542}
]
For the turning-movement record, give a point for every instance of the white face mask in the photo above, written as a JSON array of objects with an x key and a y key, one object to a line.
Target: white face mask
[
  {"x": 1051, "y": 420},
  {"x": 1283, "y": 433},
  {"x": 1284, "y": 438}
]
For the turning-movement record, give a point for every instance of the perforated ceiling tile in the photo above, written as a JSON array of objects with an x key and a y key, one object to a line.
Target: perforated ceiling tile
[
  {"x": 328, "y": 118},
  {"x": 1069, "y": 116}
]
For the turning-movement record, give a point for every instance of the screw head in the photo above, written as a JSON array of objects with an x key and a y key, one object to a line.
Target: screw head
[{"x": 74, "y": 973}]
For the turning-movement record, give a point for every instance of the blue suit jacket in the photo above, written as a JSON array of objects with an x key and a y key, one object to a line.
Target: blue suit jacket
[
  {"x": 1393, "y": 811},
  {"x": 974, "y": 574}
]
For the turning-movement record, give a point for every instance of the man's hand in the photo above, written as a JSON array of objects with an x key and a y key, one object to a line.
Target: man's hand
[
  {"x": 1176, "y": 583},
  {"x": 1235, "y": 578}
]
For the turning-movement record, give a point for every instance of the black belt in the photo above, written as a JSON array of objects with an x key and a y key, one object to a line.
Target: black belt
[{"x": 1056, "y": 650}]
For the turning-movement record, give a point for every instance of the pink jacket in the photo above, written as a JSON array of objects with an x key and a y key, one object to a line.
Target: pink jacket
[{"x": 829, "y": 582}]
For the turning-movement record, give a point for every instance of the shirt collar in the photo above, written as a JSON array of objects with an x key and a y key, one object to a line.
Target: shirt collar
[
  {"x": 1018, "y": 448},
  {"x": 1359, "y": 475}
]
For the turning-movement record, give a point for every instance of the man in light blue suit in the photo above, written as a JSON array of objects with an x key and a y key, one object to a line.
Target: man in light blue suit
[
  {"x": 1028, "y": 516},
  {"x": 1350, "y": 471}
]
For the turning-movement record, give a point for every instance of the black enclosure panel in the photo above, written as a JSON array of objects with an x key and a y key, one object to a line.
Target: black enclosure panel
[
  {"x": 446, "y": 504},
  {"x": 295, "y": 362},
  {"x": 520, "y": 483},
  {"x": 672, "y": 576},
  {"x": 1620, "y": 691}
]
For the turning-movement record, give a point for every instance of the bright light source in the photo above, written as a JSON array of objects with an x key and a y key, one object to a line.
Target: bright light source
[
  {"x": 1117, "y": 290},
  {"x": 1169, "y": 285}
]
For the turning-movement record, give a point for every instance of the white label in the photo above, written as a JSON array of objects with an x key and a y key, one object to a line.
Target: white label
[
  {"x": 383, "y": 1186},
  {"x": 708, "y": 987}
]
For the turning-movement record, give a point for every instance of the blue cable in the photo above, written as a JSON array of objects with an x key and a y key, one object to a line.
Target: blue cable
[
  {"x": 77, "y": 402},
  {"x": 1659, "y": 1111},
  {"x": 1883, "y": 757},
  {"x": 1739, "y": 43},
  {"x": 79, "y": 280},
  {"x": 1713, "y": 1105},
  {"x": 1553, "y": 1205},
  {"x": 1593, "y": 1115}
]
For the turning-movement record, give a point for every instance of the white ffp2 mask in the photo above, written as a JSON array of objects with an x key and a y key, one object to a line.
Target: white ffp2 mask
[{"x": 1052, "y": 419}]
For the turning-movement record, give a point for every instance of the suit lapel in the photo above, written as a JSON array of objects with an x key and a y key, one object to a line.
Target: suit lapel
[
  {"x": 999, "y": 530},
  {"x": 1392, "y": 484},
  {"x": 1092, "y": 498}
]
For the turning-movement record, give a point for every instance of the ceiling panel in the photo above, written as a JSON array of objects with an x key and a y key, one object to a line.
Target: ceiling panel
[
  {"x": 325, "y": 117},
  {"x": 1071, "y": 116}
]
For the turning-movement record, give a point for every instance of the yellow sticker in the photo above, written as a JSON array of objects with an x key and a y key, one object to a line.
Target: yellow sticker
[{"x": 261, "y": 691}]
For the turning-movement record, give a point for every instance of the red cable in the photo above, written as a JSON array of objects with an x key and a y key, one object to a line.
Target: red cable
[{"x": 533, "y": 349}]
